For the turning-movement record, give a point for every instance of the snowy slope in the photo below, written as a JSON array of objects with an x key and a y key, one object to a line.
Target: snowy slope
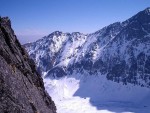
[
  {"x": 103, "y": 72},
  {"x": 57, "y": 49},
  {"x": 95, "y": 94},
  {"x": 124, "y": 46}
]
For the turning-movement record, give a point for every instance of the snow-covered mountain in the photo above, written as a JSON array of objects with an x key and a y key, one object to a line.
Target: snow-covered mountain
[
  {"x": 56, "y": 50},
  {"x": 110, "y": 66},
  {"x": 121, "y": 51}
]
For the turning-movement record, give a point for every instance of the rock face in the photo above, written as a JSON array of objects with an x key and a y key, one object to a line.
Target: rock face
[
  {"x": 21, "y": 87},
  {"x": 121, "y": 51}
]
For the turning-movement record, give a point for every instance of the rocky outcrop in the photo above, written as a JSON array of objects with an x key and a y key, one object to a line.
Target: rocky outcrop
[{"x": 21, "y": 87}]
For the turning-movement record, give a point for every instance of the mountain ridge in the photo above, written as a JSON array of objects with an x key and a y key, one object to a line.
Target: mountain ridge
[
  {"x": 118, "y": 45},
  {"x": 105, "y": 70},
  {"x": 21, "y": 87}
]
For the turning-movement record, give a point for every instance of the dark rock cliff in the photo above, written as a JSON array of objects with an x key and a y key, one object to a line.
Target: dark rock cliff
[{"x": 21, "y": 87}]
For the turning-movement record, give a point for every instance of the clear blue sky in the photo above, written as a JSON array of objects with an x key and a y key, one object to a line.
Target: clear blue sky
[{"x": 32, "y": 19}]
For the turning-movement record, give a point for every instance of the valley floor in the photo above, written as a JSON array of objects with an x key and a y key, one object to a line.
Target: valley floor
[
  {"x": 80, "y": 94},
  {"x": 80, "y": 105}
]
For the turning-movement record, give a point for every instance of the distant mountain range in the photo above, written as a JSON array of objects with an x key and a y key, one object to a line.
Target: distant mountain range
[{"x": 121, "y": 51}]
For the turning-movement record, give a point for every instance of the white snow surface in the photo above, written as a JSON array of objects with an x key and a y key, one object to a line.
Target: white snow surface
[{"x": 95, "y": 94}]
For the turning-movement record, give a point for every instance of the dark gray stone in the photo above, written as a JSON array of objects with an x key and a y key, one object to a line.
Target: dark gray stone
[{"x": 21, "y": 87}]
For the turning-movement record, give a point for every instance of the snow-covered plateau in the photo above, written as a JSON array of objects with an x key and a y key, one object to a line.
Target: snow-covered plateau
[{"x": 107, "y": 71}]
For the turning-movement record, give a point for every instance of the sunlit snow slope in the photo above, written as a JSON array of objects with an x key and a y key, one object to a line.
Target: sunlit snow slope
[
  {"x": 95, "y": 94},
  {"x": 103, "y": 72}
]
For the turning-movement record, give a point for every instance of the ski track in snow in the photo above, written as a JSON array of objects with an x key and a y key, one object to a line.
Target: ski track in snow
[{"x": 73, "y": 94}]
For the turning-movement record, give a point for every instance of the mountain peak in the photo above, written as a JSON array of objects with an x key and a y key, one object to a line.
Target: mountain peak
[
  {"x": 5, "y": 20},
  {"x": 76, "y": 33},
  {"x": 147, "y": 10},
  {"x": 55, "y": 33}
]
